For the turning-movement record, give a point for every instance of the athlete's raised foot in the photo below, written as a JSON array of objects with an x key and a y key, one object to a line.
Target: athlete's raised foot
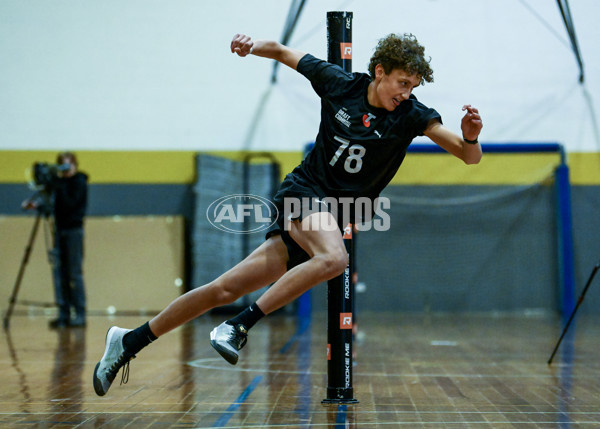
[{"x": 228, "y": 340}]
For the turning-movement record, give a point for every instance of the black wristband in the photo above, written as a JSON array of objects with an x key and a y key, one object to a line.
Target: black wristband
[{"x": 471, "y": 141}]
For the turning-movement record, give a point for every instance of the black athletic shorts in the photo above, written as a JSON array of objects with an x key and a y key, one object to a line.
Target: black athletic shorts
[
  {"x": 295, "y": 188},
  {"x": 308, "y": 199}
]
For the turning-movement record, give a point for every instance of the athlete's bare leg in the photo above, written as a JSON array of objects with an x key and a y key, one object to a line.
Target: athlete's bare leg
[
  {"x": 319, "y": 235},
  {"x": 262, "y": 267}
]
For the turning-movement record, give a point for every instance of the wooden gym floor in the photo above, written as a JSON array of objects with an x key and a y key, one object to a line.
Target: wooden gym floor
[{"x": 413, "y": 371}]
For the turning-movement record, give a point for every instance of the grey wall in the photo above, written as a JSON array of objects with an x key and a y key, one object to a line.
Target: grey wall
[
  {"x": 499, "y": 254},
  {"x": 496, "y": 255}
]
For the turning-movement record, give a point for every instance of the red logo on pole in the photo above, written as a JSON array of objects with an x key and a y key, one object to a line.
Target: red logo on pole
[
  {"x": 345, "y": 320},
  {"x": 346, "y": 51},
  {"x": 347, "y": 232},
  {"x": 328, "y": 351}
]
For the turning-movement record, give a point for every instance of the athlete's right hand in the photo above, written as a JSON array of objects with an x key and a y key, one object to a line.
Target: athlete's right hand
[{"x": 241, "y": 45}]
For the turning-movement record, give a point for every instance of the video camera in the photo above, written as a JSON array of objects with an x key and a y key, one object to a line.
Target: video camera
[{"x": 45, "y": 174}]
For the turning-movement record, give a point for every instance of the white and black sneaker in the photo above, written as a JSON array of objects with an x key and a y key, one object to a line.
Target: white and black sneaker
[
  {"x": 115, "y": 356},
  {"x": 228, "y": 340}
]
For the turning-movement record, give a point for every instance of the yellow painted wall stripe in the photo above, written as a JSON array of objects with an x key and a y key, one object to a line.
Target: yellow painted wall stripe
[
  {"x": 131, "y": 167},
  {"x": 584, "y": 168},
  {"x": 494, "y": 169},
  {"x": 107, "y": 166},
  {"x": 178, "y": 167}
]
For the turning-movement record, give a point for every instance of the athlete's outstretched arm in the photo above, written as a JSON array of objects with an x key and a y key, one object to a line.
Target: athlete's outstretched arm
[
  {"x": 243, "y": 45},
  {"x": 471, "y": 125}
]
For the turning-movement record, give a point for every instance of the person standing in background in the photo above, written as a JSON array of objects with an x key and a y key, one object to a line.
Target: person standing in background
[{"x": 70, "y": 205}]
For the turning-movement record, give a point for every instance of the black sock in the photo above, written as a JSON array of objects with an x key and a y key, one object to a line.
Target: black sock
[
  {"x": 248, "y": 317},
  {"x": 139, "y": 338}
]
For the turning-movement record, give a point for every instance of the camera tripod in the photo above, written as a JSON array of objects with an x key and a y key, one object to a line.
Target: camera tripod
[{"x": 43, "y": 212}]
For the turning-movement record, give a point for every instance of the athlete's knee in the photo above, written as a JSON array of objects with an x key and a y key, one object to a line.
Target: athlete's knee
[
  {"x": 333, "y": 263},
  {"x": 224, "y": 293}
]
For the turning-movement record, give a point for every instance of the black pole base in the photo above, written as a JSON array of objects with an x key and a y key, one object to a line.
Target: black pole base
[{"x": 339, "y": 395}]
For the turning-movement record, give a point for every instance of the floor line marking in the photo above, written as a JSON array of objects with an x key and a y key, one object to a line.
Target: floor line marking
[{"x": 222, "y": 421}]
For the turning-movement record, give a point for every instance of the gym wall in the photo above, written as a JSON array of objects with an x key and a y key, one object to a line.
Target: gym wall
[{"x": 140, "y": 204}]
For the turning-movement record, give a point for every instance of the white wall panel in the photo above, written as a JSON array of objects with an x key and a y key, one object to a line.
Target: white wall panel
[{"x": 159, "y": 75}]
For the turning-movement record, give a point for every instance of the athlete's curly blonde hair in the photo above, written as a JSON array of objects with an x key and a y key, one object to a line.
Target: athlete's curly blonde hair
[{"x": 404, "y": 53}]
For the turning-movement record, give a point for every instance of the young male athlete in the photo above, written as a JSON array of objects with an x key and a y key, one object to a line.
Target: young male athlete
[{"x": 367, "y": 122}]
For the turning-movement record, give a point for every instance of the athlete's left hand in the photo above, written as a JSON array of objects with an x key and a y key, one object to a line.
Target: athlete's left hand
[{"x": 471, "y": 123}]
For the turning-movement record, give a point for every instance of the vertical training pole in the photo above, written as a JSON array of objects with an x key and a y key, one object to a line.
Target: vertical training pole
[{"x": 339, "y": 290}]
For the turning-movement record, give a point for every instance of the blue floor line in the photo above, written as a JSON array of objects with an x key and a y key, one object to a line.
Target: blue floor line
[
  {"x": 303, "y": 324},
  {"x": 225, "y": 417},
  {"x": 341, "y": 416}
]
